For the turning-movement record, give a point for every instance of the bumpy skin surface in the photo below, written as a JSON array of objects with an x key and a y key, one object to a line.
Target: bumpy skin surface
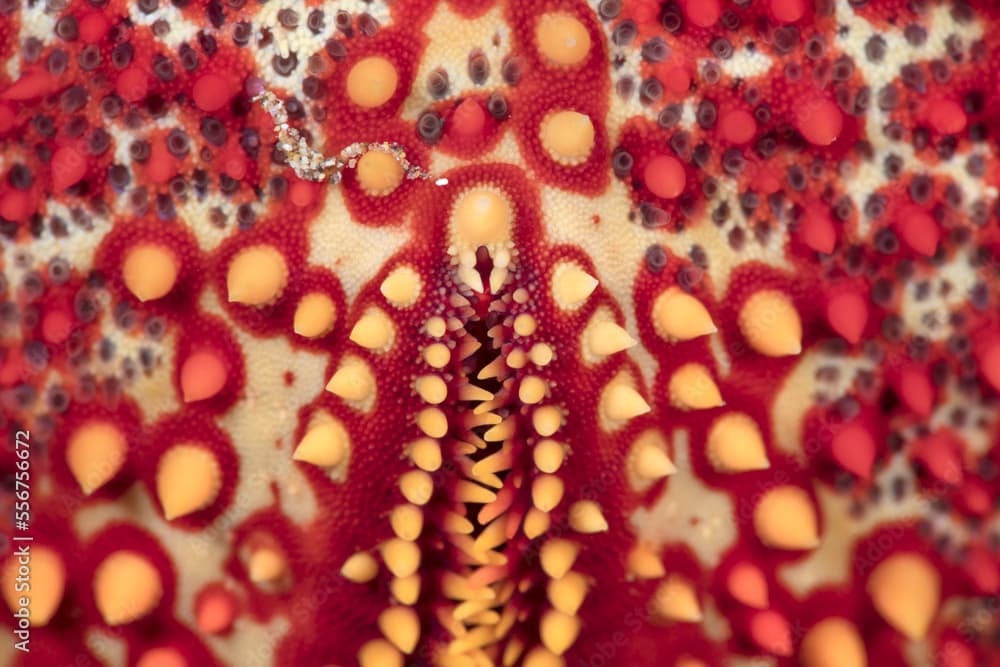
[{"x": 703, "y": 373}]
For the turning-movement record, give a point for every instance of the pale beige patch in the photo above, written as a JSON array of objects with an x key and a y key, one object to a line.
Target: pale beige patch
[
  {"x": 688, "y": 512},
  {"x": 208, "y": 548},
  {"x": 831, "y": 563},
  {"x": 262, "y": 424},
  {"x": 714, "y": 622},
  {"x": 451, "y": 39},
  {"x": 350, "y": 250},
  {"x": 106, "y": 645},
  {"x": 797, "y": 395}
]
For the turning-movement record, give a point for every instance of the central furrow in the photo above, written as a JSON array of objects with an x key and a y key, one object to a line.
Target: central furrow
[
  {"x": 493, "y": 535},
  {"x": 483, "y": 596},
  {"x": 495, "y": 604}
]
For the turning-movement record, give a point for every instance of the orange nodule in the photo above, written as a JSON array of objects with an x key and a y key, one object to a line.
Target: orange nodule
[
  {"x": 211, "y": 91},
  {"x": 372, "y": 82},
  {"x": 162, "y": 166},
  {"x": 737, "y": 126},
  {"x": 833, "y": 642},
  {"x": 96, "y": 451},
  {"x": 770, "y": 630},
  {"x": 905, "y": 590},
  {"x": 68, "y": 167},
  {"x": 379, "y": 172},
  {"x": 188, "y": 479},
  {"x": 946, "y": 116},
  {"x": 820, "y": 122},
  {"x": 853, "y": 447},
  {"x": 47, "y": 584},
  {"x": 847, "y": 313},
  {"x": 785, "y": 518},
  {"x": 664, "y": 176},
  {"x": 919, "y": 230},
  {"x": 788, "y": 11},
  {"x": 163, "y": 656},
  {"x": 15, "y": 206},
  {"x": 132, "y": 84},
  {"x": 302, "y": 193},
  {"x": 562, "y": 39},
  {"x": 203, "y": 375},
  {"x": 703, "y": 13},
  {"x": 468, "y": 119},
  {"x": 93, "y": 27},
  {"x": 816, "y": 230},
  {"x": 257, "y": 275},
  {"x": 149, "y": 270},
  {"x": 127, "y": 587},
  {"x": 215, "y": 611},
  {"x": 56, "y": 326},
  {"x": 482, "y": 216}
]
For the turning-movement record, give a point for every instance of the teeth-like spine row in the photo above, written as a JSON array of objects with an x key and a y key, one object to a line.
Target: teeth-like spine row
[
  {"x": 483, "y": 584},
  {"x": 521, "y": 377},
  {"x": 480, "y": 588}
]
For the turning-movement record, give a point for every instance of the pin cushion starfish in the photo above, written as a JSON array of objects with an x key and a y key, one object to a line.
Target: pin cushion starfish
[{"x": 473, "y": 333}]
